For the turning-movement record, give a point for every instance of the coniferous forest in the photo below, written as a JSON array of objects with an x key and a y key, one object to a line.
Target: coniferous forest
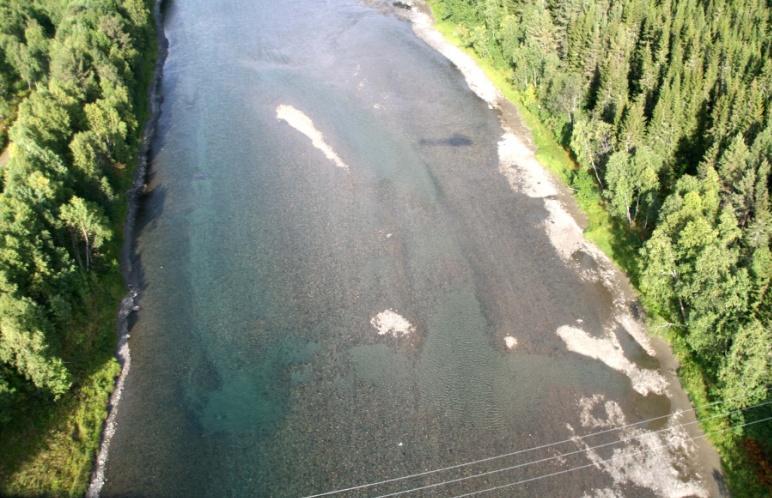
[
  {"x": 664, "y": 106},
  {"x": 73, "y": 84}
]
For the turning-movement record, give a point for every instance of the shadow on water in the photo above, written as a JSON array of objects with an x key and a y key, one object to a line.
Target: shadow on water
[
  {"x": 723, "y": 487},
  {"x": 634, "y": 351},
  {"x": 151, "y": 206},
  {"x": 455, "y": 140}
]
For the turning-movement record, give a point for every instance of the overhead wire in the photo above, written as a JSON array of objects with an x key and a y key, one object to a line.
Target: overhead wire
[
  {"x": 554, "y": 457},
  {"x": 500, "y": 456},
  {"x": 565, "y": 471}
]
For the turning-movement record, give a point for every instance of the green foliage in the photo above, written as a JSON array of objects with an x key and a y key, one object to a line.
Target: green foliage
[
  {"x": 746, "y": 373},
  {"x": 72, "y": 136},
  {"x": 89, "y": 223},
  {"x": 72, "y": 78},
  {"x": 49, "y": 446},
  {"x": 692, "y": 270},
  {"x": 633, "y": 183},
  {"x": 665, "y": 106}
]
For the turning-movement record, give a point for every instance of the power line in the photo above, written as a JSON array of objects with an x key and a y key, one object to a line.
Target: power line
[
  {"x": 553, "y": 474},
  {"x": 504, "y": 455},
  {"x": 543, "y": 460}
]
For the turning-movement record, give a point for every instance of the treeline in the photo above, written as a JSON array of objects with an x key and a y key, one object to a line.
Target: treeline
[
  {"x": 77, "y": 63},
  {"x": 665, "y": 104}
]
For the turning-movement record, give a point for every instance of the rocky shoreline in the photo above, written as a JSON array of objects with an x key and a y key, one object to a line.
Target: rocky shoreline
[{"x": 129, "y": 304}]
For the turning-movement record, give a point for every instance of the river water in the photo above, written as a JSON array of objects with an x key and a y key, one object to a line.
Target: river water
[{"x": 318, "y": 167}]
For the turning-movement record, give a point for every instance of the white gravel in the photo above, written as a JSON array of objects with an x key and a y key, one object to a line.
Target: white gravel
[
  {"x": 647, "y": 459},
  {"x": 608, "y": 350},
  {"x": 389, "y": 322},
  {"x": 302, "y": 123}
]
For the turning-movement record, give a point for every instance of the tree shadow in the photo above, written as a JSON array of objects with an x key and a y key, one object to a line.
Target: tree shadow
[
  {"x": 150, "y": 208},
  {"x": 626, "y": 243},
  {"x": 593, "y": 89}
]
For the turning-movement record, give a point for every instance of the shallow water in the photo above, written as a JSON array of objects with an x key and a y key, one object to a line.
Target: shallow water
[{"x": 256, "y": 370}]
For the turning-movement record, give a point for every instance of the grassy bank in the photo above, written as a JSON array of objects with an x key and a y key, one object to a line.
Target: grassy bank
[
  {"x": 743, "y": 462},
  {"x": 48, "y": 448}
]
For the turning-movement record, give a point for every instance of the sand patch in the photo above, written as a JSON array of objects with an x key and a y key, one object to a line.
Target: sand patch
[
  {"x": 651, "y": 460},
  {"x": 614, "y": 417},
  {"x": 568, "y": 240},
  {"x": 519, "y": 166},
  {"x": 302, "y": 123},
  {"x": 389, "y": 322},
  {"x": 608, "y": 350},
  {"x": 525, "y": 175},
  {"x": 602, "y": 493},
  {"x": 5, "y": 156},
  {"x": 564, "y": 232},
  {"x": 510, "y": 342},
  {"x": 517, "y": 161}
]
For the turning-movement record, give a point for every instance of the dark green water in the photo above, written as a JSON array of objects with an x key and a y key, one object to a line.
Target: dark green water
[{"x": 255, "y": 370}]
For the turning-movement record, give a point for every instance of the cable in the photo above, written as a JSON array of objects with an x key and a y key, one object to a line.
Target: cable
[
  {"x": 504, "y": 455},
  {"x": 553, "y": 474},
  {"x": 542, "y": 460}
]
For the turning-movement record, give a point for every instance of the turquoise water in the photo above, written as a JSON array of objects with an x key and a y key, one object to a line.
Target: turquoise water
[{"x": 255, "y": 370}]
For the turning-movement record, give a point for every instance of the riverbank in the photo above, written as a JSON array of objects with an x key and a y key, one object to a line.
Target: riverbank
[
  {"x": 622, "y": 246},
  {"x": 151, "y": 113},
  {"x": 49, "y": 448},
  {"x": 577, "y": 224}
]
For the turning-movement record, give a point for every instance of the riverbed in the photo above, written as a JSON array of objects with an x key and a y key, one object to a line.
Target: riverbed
[{"x": 352, "y": 269}]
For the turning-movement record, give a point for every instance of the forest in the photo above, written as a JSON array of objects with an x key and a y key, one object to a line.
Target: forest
[
  {"x": 664, "y": 106},
  {"x": 73, "y": 85}
]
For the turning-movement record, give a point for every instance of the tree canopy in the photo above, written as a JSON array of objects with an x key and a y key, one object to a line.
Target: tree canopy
[{"x": 71, "y": 66}]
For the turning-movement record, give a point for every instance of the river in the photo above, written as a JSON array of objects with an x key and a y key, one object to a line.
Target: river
[{"x": 345, "y": 278}]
